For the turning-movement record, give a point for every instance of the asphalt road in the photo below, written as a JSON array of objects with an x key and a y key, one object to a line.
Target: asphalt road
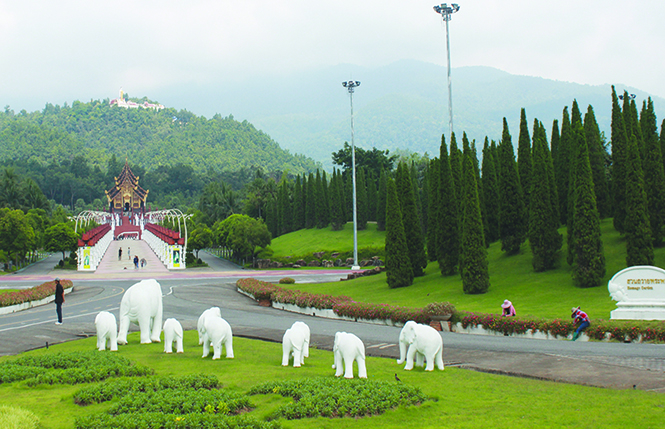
[{"x": 187, "y": 294}]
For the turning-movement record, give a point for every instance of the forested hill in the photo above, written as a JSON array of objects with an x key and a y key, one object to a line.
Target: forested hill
[{"x": 145, "y": 137}]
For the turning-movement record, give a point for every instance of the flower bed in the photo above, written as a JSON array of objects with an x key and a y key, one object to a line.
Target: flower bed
[{"x": 33, "y": 294}]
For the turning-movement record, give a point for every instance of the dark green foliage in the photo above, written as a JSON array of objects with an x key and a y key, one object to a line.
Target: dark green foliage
[
  {"x": 271, "y": 217},
  {"x": 632, "y": 123},
  {"x": 373, "y": 160},
  {"x": 524, "y": 157},
  {"x": 588, "y": 257},
  {"x": 447, "y": 234},
  {"x": 619, "y": 144},
  {"x": 284, "y": 207},
  {"x": 310, "y": 202},
  {"x": 335, "y": 397},
  {"x": 298, "y": 205},
  {"x": 242, "y": 234},
  {"x": 654, "y": 174},
  {"x": 562, "y": 164},
  {"x": 490, "y": 196},
  {"x": 361, "y": 199},
  {"x": 513, "y": 220},
  {"x": 336, "y": 192},
  {"x": 473, "y": 254},
  {"x": 411, "y": 220},
  {"x": 639, "y": 244},
  {"x": 597, "y": 155},
  {"x": 372, "y": 197},
  {"x": 456, "y": 165},
  {"x": 321, "y": 216},
  {"x": 433, "y": 180},
  {"x": 398, "y": 264},
  {"x": 381, "y": 202},
  {"x": 662, "y": 138},
  {"x": 544, "y": 239}
]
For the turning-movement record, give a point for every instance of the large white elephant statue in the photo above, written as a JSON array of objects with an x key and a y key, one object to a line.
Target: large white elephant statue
[
  {"x": 142, "y": 304},
  {"x": 347, "y": 348},
  {"x": 173, "y": 332},
  {"x": 217, "y": 333},
  {"x": 295, "y": 342},
  {"x": 107, "y": 331},
  {"x": 212, "y": 311},
  {"x": 421, "y": 342}
]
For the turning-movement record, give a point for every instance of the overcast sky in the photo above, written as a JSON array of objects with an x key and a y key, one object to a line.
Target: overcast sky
[{"x": 64, "y": 50}]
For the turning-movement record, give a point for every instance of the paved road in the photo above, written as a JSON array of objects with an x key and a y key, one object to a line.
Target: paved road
[{"x": 188, "y": 293}]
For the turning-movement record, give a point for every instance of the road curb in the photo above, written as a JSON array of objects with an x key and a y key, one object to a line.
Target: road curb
[{"x": 30, "y": 304}]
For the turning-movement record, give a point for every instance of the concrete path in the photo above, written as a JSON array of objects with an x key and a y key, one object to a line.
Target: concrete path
[{"x": 112, "y": 264}]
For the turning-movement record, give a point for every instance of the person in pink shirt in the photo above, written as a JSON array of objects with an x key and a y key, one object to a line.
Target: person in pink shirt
[{"x": 508, "y": 309}]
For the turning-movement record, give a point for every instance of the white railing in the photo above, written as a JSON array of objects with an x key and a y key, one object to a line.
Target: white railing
[{"x": 89, "y": 257}]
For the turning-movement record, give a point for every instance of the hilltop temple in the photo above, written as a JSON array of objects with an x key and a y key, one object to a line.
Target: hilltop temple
[
  {"x": 121, "y": 102},
  {"x": 126, "y": 197}
]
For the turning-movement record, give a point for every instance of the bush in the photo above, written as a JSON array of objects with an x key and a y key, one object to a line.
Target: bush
[{"x": 286, "y": 281}]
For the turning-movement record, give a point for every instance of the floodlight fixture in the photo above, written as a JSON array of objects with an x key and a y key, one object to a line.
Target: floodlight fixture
[
  {"x": 350, "y": 86},
  {"x": 446, "y": 11}
]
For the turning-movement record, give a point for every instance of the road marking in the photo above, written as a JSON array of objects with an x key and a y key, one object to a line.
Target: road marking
[
  {"x": 388, "y": 345},
  {"x": 377, "y": 345},
  {"x": 49, "y": 321}
]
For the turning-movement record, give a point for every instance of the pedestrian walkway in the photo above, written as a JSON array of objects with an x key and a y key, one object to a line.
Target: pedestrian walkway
[{"x": 111, "y": 264}]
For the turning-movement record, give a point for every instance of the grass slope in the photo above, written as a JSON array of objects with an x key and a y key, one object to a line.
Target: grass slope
[
  {"x": 460, "y": 398},
  {"x": 549, "y": 294}
]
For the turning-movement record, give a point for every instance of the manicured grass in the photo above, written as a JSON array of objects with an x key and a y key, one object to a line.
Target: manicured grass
[
  {"x": 549, "y": 294},
  {"x": 308, "y": 241},
  {"x": 460, "y": 398},
  {"x": 8, "y": 291}
]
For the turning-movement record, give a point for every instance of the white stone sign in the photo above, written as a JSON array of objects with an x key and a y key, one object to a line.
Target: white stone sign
[{"x": 639, "y": 292}]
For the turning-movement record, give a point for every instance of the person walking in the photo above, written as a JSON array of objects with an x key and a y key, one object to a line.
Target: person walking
[
  {"x": 136, "y": 261},
  {"x": 129, "y": 253},
  {"x": 59, "y": 299},
  {"x": 579, "y": 317},
  {"x": 119, "y": 253}
]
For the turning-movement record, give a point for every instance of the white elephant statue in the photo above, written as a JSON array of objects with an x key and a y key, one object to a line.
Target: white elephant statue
[
  {"x": 346, "y": 349},
  {"x": 213, "y": 311},
  {"x": 172, "y": 332},
  {"x": 142, "y": 304},
  {"x": 107, "y": 330},
  {"x": 217, "y": 332},
  {"x": 421, "y": 342},
  {"x": 296, "y": 342}
]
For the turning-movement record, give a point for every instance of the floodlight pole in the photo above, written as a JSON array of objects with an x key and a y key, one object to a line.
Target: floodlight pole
[
  {"x": 350, "y": 86},
  {"x": 445, "y": 12}
]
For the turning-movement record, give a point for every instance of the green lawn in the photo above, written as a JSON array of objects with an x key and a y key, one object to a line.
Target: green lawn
[
  {"x": 8, "y": 291},
  {"x": 549, "y": 294},
  {"x": 460, "y": 398}
]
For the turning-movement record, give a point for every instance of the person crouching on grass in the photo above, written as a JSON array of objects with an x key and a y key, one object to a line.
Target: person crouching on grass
[{"x": 579, "y": 317}]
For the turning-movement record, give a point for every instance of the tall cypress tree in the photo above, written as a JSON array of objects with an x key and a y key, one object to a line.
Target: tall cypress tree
[
  {"x": 398, "y": 264},
  {"x": 588, "y": 257},
  {"x": 310, "y": 202},
  {"x": 456, "y": 165},
  {"x": 298, "y": 206},
  {"x": 490, "y": 193},
  {"x": 639, "y": 244},
  {"x": 433, "y": 179},
  {"x": 597, "y": 160},
  {"x": 662, "y": 138},
  {"x": 544, "y": 239},
  {"x": 371, "y": 196},
  {"x": 619, "y": 143},
  {"x": 411, "y": 220},
  {"x": 381, "y": 202},
  {"x": 336, "y": 195},
  {"x": 447, "y": 235},
  {"x": 562, "y": 165},
  {"x": 632, "y": 123},
  {"x": 654, "y": 181},
  {"x": 271, "y": 216},
  {"x": 554, "y": 144},
  {"x": 576, "y": 142},
  {"x": 473, "y": 254},
  {"x": 513, "y": 223},
  {"x": 321, "y": 203},
  {"x": 284, "y": 208},
  {"x": 361, "y": 198},
  {"x": 524, "y": 157}
]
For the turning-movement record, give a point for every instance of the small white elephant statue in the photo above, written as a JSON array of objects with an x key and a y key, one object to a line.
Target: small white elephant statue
[
  {"x": 142, "y": 304},
  {"x": 347, "y": 348},
  {"x": 295, "y": 342},
  {"x": 212, "y": 311},
  {"x": 421, "y": 342},
  {"x": 217, "y": 332},
  {"x": 173, "y": 332},
  {"x": 107, "y": 330}
]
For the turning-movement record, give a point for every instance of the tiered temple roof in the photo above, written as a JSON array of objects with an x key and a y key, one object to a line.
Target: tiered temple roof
[{"x": 126, "y": 193}]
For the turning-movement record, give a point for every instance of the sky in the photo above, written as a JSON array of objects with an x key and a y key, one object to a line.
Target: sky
[{"x": 65, "y": 50}]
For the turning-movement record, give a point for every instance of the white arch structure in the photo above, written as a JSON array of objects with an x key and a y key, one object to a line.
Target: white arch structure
[
  {"x": 86, "y": 216},
  {"x": 171, "y": 215},
  {"x": 89, "y": 257}
]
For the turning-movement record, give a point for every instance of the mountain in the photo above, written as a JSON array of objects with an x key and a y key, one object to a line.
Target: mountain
[{"x": 402, "y": 105}]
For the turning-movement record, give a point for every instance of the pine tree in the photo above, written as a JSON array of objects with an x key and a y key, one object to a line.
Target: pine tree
[
  {"x": 348, "y": 197},
  {"x": 456, "y": 165},
  {"x": 632, "y": 123},
  {"x": 284, "y": 207},
  {"x": 575, "y": 147},
  {"x": 524, "y": 157},
  {"x": 321, "y": 203},
  {"x": 639, "y": 244},
  {"x": 411, "y": 220},
  {"x": 551, "y": 181},
  {"x": 271, "y": 217},
  {"x": 562, "y": 166},
  {"x": 336, "y": 195},
  {"x": 473, "y": 254},
  {"x": 447, "y": 235},
  {"x": 433, "y": 179},
  {"x": 361, "y": 199},
  {"x": 513, "y": 223},
  {"x": 310, "y": 202},
  {"x": 662, "y": 138},
  {"x": 554, "y": 144},
  {"x": 398, "y": 264},
  {"x": 491, "y": 200},
  {"x": 619, "y": 143},
  {"x": 381, "y": 202},
  {"x": 544, "y": 239},
  {"x": 371, "y": 196},
  {"x": 654, "y": 181},
  {"x": 298, "y": 206},
  {"x": 597, "y": 160},
  {"x": 588, "y": 259}
]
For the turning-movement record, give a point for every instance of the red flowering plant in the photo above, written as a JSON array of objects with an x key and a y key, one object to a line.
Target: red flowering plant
[
  {"x": 260, "y": 290},
  {"x": 558, "y": 327},
  {"x": 33, "y": 294}
]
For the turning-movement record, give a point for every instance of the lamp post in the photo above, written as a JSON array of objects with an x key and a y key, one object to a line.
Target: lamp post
[
  {"x": 350, "y": 86},
  {"x": 445, "y": 12}
]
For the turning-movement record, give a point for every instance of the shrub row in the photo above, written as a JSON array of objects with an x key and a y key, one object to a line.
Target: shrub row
[
  {"x": 182, "y": 401},
  {"x": 363, "y": 254},
  {"x": 157, "y": 420},
  {"x": 69, "y": 368},
  {"x": 33, "y": 294},
  {"x": 334, "y": 397}
]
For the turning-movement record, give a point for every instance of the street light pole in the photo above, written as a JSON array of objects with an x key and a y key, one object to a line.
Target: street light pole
[
  {"x": 445, "y": 12},
  {"x": 350, "y": 86}
]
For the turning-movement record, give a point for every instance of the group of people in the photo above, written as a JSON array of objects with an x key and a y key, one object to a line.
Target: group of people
[
  {"x": 578, "y": 316},
  {"x": 129, "y": 257}
]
